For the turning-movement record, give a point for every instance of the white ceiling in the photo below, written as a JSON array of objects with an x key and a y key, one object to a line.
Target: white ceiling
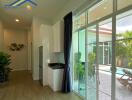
[{"x": 45, "y": 9}]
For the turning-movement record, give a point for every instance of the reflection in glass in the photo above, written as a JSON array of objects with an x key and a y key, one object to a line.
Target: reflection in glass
[
  {"x": 123, "y": 3},
  {"x": 79, "y": 21},
  {"x": 103, "y": 8}
]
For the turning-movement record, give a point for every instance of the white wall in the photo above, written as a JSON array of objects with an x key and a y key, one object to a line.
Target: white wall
[
  {"x": 47, "y": 43},
  {"x": 1, "y": 36},
  {"x": 41, "y": 36},
  {"x": 29, "y": 50},
  {"x": 35, "y": 44},
  {"x": 19, "y": 59}
]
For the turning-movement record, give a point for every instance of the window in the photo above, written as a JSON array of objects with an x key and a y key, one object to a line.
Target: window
[
  {"x": 123, "y": 3},
  {"x": 100, "y": 10}
]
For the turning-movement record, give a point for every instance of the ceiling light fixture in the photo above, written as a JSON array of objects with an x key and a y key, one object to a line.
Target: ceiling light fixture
[
  {"x": 17, "y": 20},
  {"x": 105, "y": 7},
  {"x": 28, "y": 7}
]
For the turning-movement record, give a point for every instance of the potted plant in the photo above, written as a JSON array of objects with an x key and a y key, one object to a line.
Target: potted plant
[
  {"x": 4, "y": 69},
  {"x": 91, "y": 64}
]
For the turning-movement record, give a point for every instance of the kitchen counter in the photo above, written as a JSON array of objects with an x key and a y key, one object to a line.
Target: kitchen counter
[
  {"x": 56, "y": 65},
  {"x": 55, "y": 76}
]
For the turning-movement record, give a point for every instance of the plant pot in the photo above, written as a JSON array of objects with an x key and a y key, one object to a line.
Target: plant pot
[
  {"x": 4, "y": 84},
  {"x": 3, "y": 77}
]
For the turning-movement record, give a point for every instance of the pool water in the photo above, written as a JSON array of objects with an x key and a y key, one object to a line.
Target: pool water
[{"x": 120, "y": 71}]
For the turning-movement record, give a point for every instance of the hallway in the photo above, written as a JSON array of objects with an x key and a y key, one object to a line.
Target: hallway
[{"x": 22, "y": 87}]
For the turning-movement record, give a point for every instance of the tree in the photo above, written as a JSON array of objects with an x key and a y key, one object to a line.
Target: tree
[{"x": 124, "y": 47}]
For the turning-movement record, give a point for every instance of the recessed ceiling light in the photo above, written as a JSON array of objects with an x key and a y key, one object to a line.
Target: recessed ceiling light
[
  {"x": 17, "y": 20},
  {"x": 105, "y": 7},
  {"x": 28, "y": 7}
]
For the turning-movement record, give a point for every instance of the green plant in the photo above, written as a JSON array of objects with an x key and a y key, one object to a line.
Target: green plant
[
  {"x": 124, "y": 47},
  {"x": 4, "y": 69},
  {"x": 91, "y": 64},
  {"x": 79, "y": 70}
]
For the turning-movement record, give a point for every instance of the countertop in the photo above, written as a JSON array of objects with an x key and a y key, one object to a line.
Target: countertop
[{"x": 56, "y": 65}]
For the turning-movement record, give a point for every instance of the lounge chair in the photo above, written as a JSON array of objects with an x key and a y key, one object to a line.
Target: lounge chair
[{"x": 126, "y": 81}]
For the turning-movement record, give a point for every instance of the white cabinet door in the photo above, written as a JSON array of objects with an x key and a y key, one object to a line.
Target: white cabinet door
[
  {"x": 58, "y": 77},
  {"x": 50, "y": 77},
  {"x": 58, "y": 31},
  {"x": 55, "y": 78}
]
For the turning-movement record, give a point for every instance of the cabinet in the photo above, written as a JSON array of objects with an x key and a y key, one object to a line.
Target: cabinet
[
  {"x": 58, "y": 36},
  {"x": 55, "y": 77}
]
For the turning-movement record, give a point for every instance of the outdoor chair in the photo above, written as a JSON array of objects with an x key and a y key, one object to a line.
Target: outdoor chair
[{"x": 126, "y": 81}]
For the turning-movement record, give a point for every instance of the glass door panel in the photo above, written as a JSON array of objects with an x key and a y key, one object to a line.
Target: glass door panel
[
  {"x": 81, "y": 67},
  {"x": 75, "y": 62},
  {"x": 105, "y": 38},
  {"x": 79, "y": 62},
  {"x": 124, "y": 56},
  {"x": 91, "y": 63}
]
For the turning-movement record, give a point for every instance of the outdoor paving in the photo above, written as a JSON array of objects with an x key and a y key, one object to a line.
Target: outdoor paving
[{"x": 122, "y": 92}]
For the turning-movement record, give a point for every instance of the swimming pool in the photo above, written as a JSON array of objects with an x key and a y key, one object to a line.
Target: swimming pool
[{"x": 120, "y": 71}]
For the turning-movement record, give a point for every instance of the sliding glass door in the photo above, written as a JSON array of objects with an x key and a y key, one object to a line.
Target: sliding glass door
[
  {"x": 79, "y": 62},
  {"x": 81, "y": 67},
  {"x": 124, "y": 56},
  {"x": 75, "y": 60},
  {"x": 99, "y": 59},
  {"x": 105, "y": 58},
  {"x": 102, "y": 51},
  {"x": 91, "y": 63}
]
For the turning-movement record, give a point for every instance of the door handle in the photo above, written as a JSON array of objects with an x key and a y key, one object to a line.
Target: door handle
[{"x": 97, "y": 75}]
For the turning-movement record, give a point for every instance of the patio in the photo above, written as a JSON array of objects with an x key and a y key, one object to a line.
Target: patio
[{"x": 122, "y": 92}]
